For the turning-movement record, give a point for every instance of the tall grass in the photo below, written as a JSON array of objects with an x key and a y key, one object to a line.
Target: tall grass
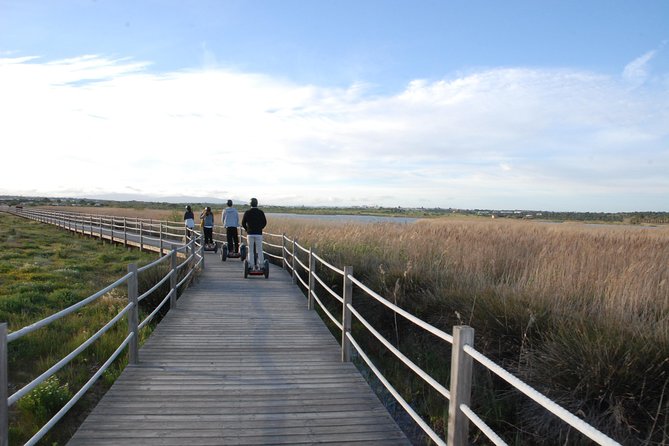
[{"x": 580, "y": 312}]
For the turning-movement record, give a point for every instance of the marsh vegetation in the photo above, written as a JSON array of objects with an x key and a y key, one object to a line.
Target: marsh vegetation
[{"x": 579, "y": 312}]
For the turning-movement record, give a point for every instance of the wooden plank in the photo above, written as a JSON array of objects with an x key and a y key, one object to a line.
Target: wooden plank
[{"x": 240, "y": 361}]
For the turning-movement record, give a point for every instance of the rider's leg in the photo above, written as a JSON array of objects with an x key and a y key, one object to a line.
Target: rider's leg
[
  {"x": 228, "y": 233},
  {"x": 261, "y": 257},
  {"x": 255, "y": 242},
  {"x": 235, "y": 239}
]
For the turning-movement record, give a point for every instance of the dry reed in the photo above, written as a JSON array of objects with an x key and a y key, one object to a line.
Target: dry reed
[{"x": 580, "y": 311}]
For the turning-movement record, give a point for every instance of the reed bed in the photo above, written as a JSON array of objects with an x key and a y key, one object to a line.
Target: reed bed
[{"x": 581, "y": 312}]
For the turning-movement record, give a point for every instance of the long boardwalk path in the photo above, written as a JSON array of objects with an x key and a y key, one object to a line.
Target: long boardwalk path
[{"x": 240, "y": 362}]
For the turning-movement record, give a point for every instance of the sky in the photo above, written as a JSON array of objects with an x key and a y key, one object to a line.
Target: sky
[{"x": 518, "y": 104}]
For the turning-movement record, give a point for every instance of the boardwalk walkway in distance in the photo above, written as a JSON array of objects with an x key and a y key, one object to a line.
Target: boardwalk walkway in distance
[{"x": 240, "y": 362}]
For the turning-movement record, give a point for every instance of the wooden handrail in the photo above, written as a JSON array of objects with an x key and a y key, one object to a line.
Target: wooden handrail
[
  {"x": 459, "y": 411},
  {"x": 82, "y": 223}
]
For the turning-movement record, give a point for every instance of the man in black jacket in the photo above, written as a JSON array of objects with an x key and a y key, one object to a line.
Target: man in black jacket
[{"x": 253, "y": 222}]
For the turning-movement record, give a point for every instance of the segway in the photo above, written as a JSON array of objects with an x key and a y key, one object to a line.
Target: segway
[
  {"x": 225, "y": 254},
  {"x": 250, "y": 271},
  {"x": 211, "y": 247}
]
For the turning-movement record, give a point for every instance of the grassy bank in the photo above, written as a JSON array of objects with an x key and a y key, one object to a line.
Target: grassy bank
[
  {"x": 581, "y": 313},
  {"x": 43, "y": 270}
]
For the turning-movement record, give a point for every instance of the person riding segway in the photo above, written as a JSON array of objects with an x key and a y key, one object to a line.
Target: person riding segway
[
  {"x": 254, "y": 222},
  {"x": 207, "y": 220},
  {"x": 189, "y": 222},
  {"x": 230, "y": 220}
]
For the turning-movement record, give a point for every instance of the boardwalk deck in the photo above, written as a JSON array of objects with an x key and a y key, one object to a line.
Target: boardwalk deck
[{"x": 240, "y": 362}]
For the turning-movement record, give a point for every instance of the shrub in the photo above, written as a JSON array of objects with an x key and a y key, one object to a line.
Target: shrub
[{"x": 45, "y": 400}]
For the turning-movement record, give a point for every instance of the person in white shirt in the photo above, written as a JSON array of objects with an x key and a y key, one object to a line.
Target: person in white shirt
[
  {"x": 230, "y": 219},
  {"x": 189, "y": 222}
]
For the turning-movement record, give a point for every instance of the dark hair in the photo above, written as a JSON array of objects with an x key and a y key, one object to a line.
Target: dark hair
[
  {"x": 188, "y": 208},
  {"x": 254, "y": 202},
  {"x": 229, "y": 202}
]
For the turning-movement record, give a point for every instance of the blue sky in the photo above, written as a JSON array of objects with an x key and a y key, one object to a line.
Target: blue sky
[{"x": 546, "y": 105}]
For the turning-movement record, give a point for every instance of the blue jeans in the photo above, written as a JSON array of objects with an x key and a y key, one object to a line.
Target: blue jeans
[{"x": 255, "y": 243}]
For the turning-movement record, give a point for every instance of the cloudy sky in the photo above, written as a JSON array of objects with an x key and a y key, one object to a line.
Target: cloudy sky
[{"x": 545, "y": 105}]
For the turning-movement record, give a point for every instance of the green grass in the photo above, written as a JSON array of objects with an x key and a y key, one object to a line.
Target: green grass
[{"x": 43, "y": 270}]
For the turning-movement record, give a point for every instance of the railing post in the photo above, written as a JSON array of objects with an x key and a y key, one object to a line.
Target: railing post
[
  {"x": 461, "y": 386},
  {"x": 125, "y": 233},
  {"x": 133, "y": 315},
  {"x": 283, "y": 250},
  {"x": 141, "y": 240},
  {"x": 312, "y": 279},
  {"x": 346, "y": 315},
  {"x": 4, "y": 408},
  {"x": 173, "y": 277},
  {"x": 100, "y": 229},
  {"x": 111, "y": 238},
  {"x": 90, "y": 225},
  {"x": 294, "y": 262},
  {"x": 202, "y": 250},
  {"x": 160, "y": 226}
]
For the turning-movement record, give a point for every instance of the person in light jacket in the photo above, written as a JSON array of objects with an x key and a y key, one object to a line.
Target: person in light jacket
[
  {"x": 230, "y": 220},
  {"x": 254, "y": 222}
]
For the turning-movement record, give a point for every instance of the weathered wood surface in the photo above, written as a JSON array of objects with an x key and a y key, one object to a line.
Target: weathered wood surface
[{"x": 240, "y": 362}]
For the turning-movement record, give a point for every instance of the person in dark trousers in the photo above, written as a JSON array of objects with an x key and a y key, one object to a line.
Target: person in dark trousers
[
  {"x": 189, "y": 222},
  {"x": 254, "y": 222},
  {"x": 230, "y": 219},
  {"x": 208, "y": 224}
]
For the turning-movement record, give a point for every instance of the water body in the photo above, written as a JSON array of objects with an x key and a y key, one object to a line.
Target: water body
[{"x": 347, "y": 218}]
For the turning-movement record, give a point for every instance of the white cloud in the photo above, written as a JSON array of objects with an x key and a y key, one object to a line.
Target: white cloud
[
  {"x": 636, "y": 72},
  {"x": 495, "y": 138}
]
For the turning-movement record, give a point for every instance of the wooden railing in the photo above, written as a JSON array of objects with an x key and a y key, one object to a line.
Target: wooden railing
[
  {"x": 295, "y": 258},
  {"x": 460, "y": 414},
  {"x": 184, "y": 260}
]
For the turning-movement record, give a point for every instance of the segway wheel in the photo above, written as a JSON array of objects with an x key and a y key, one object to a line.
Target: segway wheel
[
  {"x": 246, "y": 269},
  {"x": 224, "y": 253},
  {"x": 266, "y": 268},
  {"x": 243, "y": 250},
  {"x": 215, "y": 247}
]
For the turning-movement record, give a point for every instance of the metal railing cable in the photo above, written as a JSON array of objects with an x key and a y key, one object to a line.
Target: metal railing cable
[
  {"x": 334, "y": 320},
  {"x": 332, "y": 267},
  {"x": 71, "y": 309},
  {"x": 417, "y": 370},
  {"x": 155, "y": 287},
  {"x": 150, "y": 317},
  {"x": 63, "y": 362},
  {"x": 422, "y": 324},
  {"x": 52, "y": 422},
  {"x": 412, "y": 413},
  {"x": 328, "y": 289},
  {"x": 483, "y": 427},
  {"x": 542, "y": 400}
]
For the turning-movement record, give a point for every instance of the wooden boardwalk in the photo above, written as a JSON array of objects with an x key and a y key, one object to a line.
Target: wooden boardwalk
[{"x": 240, "y": 362}]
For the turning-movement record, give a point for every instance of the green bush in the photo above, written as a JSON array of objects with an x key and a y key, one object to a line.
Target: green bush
[{"x": 45, "y": 400}]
